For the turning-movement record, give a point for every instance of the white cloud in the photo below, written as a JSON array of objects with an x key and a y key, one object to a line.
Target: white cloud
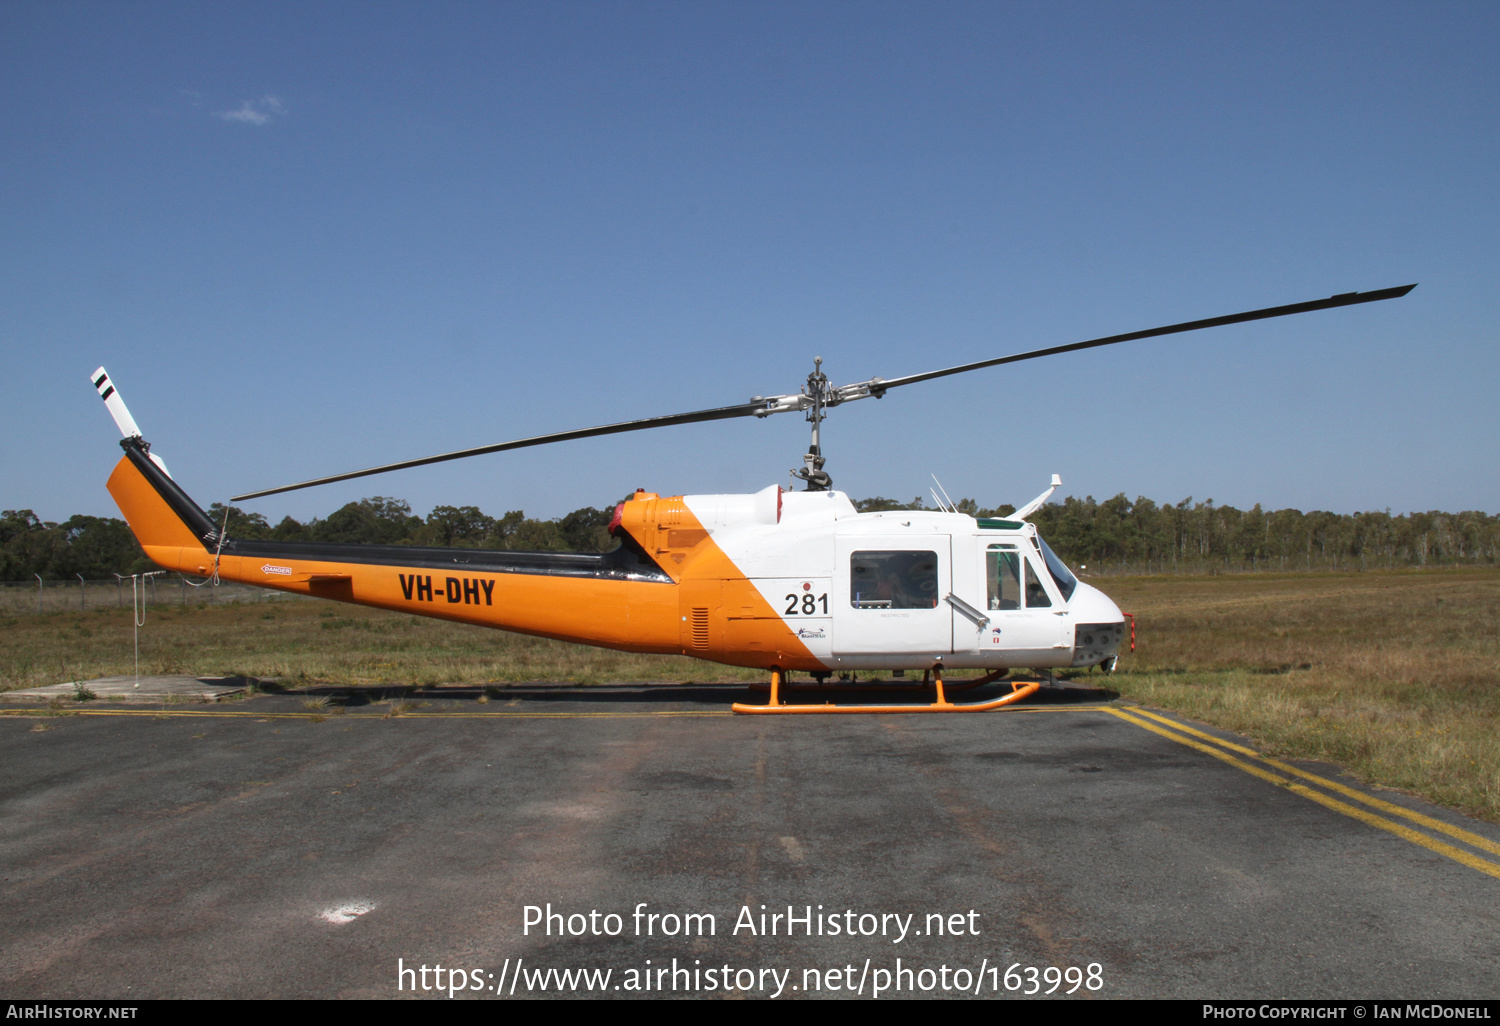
[{"x": 256, "y": 112}]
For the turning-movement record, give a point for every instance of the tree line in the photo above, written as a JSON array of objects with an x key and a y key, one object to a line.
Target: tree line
[
  {"x": 1115, "y": 535},
  {"x": 99, "y": 547},
  {"x": 1197, "y": 537}
]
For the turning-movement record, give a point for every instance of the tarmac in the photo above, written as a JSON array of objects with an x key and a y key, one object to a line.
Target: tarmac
[{"x": 556, "y": 840}]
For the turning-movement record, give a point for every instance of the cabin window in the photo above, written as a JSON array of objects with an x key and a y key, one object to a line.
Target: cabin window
[
  {"x": 1002, "y": 574},
  {"x": 893, "y": 580}
]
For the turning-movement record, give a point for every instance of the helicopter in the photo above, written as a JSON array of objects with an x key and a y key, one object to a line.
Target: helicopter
[{"x": 783, "y": 580}]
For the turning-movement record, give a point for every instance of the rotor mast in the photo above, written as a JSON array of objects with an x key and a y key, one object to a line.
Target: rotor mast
[{"x": 816, "y": 392}]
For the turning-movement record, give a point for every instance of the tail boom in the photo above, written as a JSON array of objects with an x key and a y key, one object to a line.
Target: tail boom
[{"x": 621, "y": 600}]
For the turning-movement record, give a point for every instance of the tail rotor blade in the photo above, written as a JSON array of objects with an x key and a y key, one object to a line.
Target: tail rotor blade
[{"x": 114, "y": 404}]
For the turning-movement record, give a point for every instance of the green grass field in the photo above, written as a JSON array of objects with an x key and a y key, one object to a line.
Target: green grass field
[
  {"x": 1393, "y": 675},
  {"x": 1390, "y": 674}
]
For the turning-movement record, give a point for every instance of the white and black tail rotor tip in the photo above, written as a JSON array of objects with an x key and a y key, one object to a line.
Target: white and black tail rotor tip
[
  {"x": 116, "y": 406},
  {"x": 123, "y": 420}
]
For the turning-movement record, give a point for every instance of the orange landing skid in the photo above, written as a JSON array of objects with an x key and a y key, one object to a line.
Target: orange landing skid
[{"x": 1019, "y": 690}]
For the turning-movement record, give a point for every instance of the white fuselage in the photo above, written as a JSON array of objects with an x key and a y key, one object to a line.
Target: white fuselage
[{"x": 899, "y": 590}]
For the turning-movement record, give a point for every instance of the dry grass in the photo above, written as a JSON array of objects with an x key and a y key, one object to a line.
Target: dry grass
[
  {"x": 1391, "y": 674},
  {"x": 310, "y": 642}
]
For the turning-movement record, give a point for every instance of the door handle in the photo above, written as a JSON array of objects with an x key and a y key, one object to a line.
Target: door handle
[{"x": 968, "y": 612}]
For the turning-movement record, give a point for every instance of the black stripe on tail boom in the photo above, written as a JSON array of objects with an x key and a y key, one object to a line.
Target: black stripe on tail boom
[{"x": 628, "y": 562}]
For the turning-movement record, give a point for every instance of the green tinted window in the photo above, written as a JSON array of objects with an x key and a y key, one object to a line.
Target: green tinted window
[{"x": 1002, "y": 568}]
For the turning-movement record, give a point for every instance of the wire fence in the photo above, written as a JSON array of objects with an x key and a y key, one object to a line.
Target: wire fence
[{"x": 21, "y": 597}]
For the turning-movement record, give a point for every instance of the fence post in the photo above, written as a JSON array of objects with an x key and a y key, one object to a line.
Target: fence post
[
  {"x": 38, "y": 593},
  {"x": 82, "y": 592},
  {"x": 135, "y": 618},
  {"x": 119, "y": 591}
]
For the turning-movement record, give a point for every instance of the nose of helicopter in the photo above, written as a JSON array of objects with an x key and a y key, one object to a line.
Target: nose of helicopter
[
  {"x": 1099, "y": 626},
  {"x": 1090, "y": 604}
]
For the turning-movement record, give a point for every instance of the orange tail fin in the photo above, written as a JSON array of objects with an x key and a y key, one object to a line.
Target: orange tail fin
[{"x": 173, "y": 531}]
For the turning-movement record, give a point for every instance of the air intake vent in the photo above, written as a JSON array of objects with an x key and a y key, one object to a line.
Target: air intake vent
[{"x": 700, "y": 628}]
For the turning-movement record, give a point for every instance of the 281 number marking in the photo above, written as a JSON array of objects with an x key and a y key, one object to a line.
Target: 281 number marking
[{"x": 807, "y": 604}]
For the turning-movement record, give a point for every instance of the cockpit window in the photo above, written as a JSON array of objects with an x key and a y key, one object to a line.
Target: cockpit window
[
  {"x": 1036, "y": 594},
  {"x": 893, "y": 580},
  {"x": 1066, "y": 582}
]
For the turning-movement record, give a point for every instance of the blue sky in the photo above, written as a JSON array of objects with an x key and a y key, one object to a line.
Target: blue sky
[{"x": 309, "y": 238}]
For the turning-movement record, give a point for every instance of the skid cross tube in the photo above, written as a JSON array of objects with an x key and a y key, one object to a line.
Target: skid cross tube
[
  {"x": 949, "y": 686},
  {"x": 1019, "y": 690}
]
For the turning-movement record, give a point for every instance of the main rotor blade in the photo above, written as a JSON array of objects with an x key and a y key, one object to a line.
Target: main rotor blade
[
  {"x": 722, "y": 413},
  {"x": 1345, "y": 299},
  {"x": 799, "y": 401}
]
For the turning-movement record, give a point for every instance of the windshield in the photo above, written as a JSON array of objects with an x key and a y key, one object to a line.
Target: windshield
[{"x": 1066, "y": 582}]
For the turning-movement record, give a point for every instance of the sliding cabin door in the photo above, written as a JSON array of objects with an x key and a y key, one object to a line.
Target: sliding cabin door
[{"x": 888, "y": 599}]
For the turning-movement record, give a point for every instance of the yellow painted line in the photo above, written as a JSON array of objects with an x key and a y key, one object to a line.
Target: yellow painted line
[
  {"x": 554, "y": 715},
  {"x": 1012, "y": 710},
  {"x": 1404, "y": 832},
  {"x": 1466, "y": 836},
  {"x": 65, "y": 713},
  {"x": 1254, "y": 771},
  {"x": 228, "y": 714}
]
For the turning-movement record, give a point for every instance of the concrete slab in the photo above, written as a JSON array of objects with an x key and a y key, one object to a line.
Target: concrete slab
[{"x": 145, "y": 688}]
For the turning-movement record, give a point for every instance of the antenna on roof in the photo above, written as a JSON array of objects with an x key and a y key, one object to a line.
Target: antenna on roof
[{"x": 946, "y": 503}]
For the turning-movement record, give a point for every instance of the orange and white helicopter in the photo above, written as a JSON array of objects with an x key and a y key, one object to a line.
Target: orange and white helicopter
[{"x": 787, "y": 581}]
